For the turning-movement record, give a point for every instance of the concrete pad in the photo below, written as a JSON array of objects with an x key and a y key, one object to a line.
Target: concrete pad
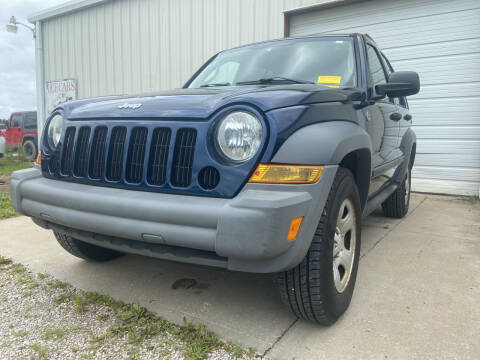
[{"x": 445, "y": 216}]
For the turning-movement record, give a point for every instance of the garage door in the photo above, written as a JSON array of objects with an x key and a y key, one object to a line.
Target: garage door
[{"x": 441, "y": 41}]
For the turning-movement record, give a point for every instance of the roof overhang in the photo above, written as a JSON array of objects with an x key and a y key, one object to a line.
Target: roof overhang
[{"x": 62, "y": 9}]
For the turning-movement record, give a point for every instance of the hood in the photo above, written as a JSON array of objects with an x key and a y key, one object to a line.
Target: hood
[{"x": 202, "y": 103}]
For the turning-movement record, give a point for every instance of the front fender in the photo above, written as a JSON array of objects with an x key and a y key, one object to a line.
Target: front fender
[{"x": 325, "y": 143}]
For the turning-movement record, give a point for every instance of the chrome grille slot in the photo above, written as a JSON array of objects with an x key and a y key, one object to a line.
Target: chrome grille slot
[
  {"x": 158, "y": 157},
  {"x": 183, "y": 157},
  {"x": 97, "y": 155},
  {"x": 136, "y": 155},
  {"x": 81, "y": 152},
  {"x": 115, "y": 153},
  {"x": 66, "y": 164}
]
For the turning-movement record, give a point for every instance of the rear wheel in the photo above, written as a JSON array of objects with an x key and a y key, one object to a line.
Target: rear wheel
[
  {"x": 320, "y": 288},
  {"x": 397, "y": 204},
  {"x": 30, "y": 150},
  {"x": 85, "y": 250}
]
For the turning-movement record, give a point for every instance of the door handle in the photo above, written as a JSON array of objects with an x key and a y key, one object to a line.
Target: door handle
[
  {"x": 408, "y": 117},
  {"x": 395, "y": 116}
]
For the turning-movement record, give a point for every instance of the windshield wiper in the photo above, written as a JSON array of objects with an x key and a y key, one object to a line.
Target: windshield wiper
[
  {"x": 217, "y": 84},
  {"x": 273, "y": 80}
]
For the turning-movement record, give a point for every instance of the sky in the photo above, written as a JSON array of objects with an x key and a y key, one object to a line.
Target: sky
[{"x": 17, "y": 56}]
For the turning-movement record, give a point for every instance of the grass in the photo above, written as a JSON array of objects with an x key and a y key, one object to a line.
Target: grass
[
  {"x": 6, "y": 208},
  {"x": 53, "y": 334},
  {"x": 20, "y": 333},
  {"x": 10, "y": 163},
  {"x": 42, "y": 352}
]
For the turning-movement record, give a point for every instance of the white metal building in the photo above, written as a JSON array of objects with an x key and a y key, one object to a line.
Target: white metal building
[{"x": 135, "y": 46}]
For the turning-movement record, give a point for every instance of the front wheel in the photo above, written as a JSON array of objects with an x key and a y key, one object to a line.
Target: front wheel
[
  {"x": 85, "y": 250},
  {"x": 320, "y": 288}
]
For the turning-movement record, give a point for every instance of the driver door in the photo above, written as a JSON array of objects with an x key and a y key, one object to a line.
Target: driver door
[{"x": 382, "y": 124}]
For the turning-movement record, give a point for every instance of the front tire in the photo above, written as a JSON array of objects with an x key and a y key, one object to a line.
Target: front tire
[
  {"x": 85, "y": 250},
  {"x": 30, "y": 150},
  {"x": 320, "y": 288}
]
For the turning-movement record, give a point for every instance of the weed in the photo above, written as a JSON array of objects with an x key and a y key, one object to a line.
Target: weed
[
  {"x": 41, "y": 351},
  {"x": 6, "y": 208},
  {"x": 57, "y": 284},
  {"x": 33, "y": 285},
  {"x": 198, "y": 340},
  {"x": 19, "y": 269},
  {"x": 237, "y": 351},
  {"x": 4, "y": 261},
  {"x": 20, "y": 333},
  {"x": 53, "y": 334},
  {"x": 42, "y": 276},
  {"x": 103, "y": 316}
]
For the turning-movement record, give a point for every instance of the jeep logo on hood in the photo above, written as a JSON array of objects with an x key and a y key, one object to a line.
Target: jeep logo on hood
[{"x": 129, "y": 106}]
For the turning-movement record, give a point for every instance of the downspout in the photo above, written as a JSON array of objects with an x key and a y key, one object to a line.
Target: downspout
[{"x": 40, "y": 79}]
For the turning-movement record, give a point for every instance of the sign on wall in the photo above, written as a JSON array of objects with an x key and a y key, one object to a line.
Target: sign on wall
[{"x": 58, "y": 92}]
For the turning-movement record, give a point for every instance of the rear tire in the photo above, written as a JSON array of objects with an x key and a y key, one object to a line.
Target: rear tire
[
  {"x": 316, "y": 290},
  {"x": 30, "y": 150},
  {"x": 396, "y": 206},
  {"x": 85, "y": 250}
]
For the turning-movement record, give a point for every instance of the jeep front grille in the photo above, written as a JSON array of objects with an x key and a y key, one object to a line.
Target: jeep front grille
[{"x": 131, "y": 155}]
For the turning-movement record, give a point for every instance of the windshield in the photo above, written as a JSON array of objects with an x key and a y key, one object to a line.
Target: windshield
[{"x": 328, "y": 61}]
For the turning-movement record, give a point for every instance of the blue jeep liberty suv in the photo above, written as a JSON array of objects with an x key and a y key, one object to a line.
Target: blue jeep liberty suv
[{"x": 265, "y": 161}]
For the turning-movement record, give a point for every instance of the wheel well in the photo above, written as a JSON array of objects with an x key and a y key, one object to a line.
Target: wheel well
[
  {"x": 28, "y": 138},
  {"x": 359, "y": 163}
]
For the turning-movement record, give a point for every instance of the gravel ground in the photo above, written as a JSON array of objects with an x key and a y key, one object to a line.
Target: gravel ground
[{"x": 43, "y": 318}]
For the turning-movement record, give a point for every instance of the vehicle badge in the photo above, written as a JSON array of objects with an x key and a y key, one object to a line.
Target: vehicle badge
[{"x": 129, "y": 106}]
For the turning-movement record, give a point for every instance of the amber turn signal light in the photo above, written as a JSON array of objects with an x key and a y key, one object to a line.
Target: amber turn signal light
[
  {"x": 294, "y": 227},
  {"x": 286, "y": 174},
  {"x": 39, "y": 158}
]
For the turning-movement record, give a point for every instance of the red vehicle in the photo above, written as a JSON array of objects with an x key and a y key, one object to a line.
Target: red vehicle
[{"x": 22, "y": 129}]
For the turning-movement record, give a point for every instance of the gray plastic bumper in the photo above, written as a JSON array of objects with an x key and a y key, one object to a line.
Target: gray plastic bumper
[{"x": 249, "y": 231}]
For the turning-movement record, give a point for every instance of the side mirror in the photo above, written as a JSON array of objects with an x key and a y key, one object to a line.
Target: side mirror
[{"x": 400, "y": 83}]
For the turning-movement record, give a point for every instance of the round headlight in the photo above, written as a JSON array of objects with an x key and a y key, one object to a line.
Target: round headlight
[
  {"x": 55, "y": 130},
  {"x": 239, "y": 136}
]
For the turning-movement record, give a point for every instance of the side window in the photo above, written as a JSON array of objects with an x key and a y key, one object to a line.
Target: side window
[
  {"x": 16, "y": 121},
  {"x": 375, "y": 65},
  {"x": 402, "y": 101},
  {"x": 30, "y": 122}
]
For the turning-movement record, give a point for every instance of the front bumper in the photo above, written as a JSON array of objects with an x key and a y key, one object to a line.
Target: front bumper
[{"x": 246, "y": 233}]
